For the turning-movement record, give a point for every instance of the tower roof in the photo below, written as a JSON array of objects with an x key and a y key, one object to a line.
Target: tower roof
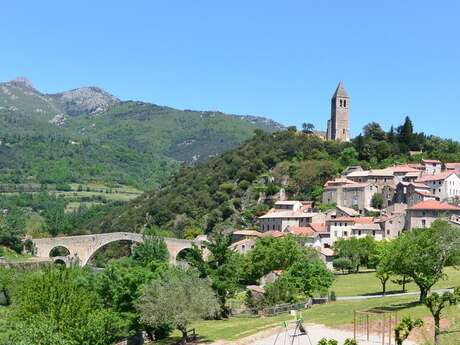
[{"x": 340, "y": 91}]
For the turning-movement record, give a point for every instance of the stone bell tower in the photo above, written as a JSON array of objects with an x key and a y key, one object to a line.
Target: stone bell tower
[{"x": 338, "y": 125}]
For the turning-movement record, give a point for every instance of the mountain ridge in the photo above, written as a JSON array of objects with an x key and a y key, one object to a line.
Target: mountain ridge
[{"x": 103, "y": 138}]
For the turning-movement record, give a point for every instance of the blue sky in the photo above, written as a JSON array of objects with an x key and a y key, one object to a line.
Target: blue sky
[{"x": 280, "y": 59}]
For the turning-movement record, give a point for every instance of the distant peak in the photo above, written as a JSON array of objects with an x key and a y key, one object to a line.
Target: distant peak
[{"x": 23, "y": 80}]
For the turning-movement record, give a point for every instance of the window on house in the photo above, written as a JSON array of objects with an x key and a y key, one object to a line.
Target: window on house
[
  {"x": 345, "y": 233},
  {"x": 388, "y": 232},
  {"x": 243, "y": 246},
  {"x": 423, "y": 223},
  {"x": 373, "y": 232},
  {"x": 359, "y": 232}
]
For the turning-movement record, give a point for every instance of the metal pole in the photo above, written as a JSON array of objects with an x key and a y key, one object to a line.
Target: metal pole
[
  {"x": 383, "y": 330},
  {"x": 389, "y": 331},
  {"x": 367, "y": 327},
  {"x": 354, "y": 326}
]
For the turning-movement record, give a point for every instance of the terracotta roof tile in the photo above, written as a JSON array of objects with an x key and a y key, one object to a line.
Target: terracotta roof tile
[
  {"x": 432, "y": 161},
  {"x": 435, "y": 177},
  {"x": 356, "y": 220},
  {"x": 273, "y": 233},
  {"x": 434, "y": 205}
]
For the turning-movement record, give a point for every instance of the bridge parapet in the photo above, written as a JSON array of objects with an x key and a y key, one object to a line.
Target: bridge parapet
[{"x": 85, "y": 246}]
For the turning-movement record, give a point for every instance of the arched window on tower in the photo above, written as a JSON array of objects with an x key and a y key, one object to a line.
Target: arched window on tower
[
  {"x": 341, "y": 103},
  {"x": 344, "y": 103}
]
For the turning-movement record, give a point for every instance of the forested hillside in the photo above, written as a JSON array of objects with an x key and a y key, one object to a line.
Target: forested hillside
[
  {"x": 87, "y": 135},
  {"x": 230, "y": 190}
]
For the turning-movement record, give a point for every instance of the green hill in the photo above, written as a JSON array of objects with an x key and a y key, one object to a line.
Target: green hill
[
  {"x": 232, "y": 189},
  {"x": 87, "y": 135}
]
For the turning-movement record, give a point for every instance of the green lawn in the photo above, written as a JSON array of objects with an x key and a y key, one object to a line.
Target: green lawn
[
  {"x": 367, "y": 283},
  {"x": 335, "y": 314}
]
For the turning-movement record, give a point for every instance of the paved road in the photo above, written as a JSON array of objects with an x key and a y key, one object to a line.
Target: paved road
[{"x": 362, "y": 297}]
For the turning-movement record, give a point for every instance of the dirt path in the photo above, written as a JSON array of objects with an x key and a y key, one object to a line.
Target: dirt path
[{"x": 277, "y": 336}]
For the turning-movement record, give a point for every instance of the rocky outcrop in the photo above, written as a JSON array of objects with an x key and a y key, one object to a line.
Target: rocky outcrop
[{"x": 86, "y": 100}]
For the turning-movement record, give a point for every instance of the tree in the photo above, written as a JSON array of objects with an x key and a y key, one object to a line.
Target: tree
[
  {"x": 119, "y": 287},
  {"x": 7, "y": 282},
  {"x": 403, "y": 281},
  {"x": 274, "y": 254},
  {"x": 310, "y": 277},
  {"x": 382, "y": 262},
  {"x": 436, "y": 303},
  {"x": 406, "y": 132},
  {"x": 12, "y": 227},
  {"x": 308, "y": 128},
  {"x": 421, "y": 254},
  {"x": 64, "y": 301},
  {"x": 349, "y": 156},
  {"x": 377, "y": 201},
  {"x": 152, "y": 249},
  {"x": 177, "y": 299},
  {"x": 358, "y": 251},
  {"x": 342, "y": 264},
  {"x": 374, "y": 131},
  {"x": 403, "y": 329}
]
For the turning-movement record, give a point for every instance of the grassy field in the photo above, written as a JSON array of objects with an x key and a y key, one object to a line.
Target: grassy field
[
  {"x": 367, "y": 283},
  {"x": 334, "y": 314}
]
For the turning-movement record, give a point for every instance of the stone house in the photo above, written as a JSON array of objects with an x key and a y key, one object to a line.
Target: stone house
[
  {"x": 431, "y": 166},
  {"x": 452, "y": 167},
  {"x": 270, "y": 277},
  {"x": 310, "y": 236},
  {"x": 342, "y": 211},
  {"x": 327, "y": 256},
  {"x": 243, "y": 246},
  {"x": 342, "y": 227},
  {"x": 362, "y": 230},
  {"x": 411, "y": 193},
  {"x": 423, "y": 214},
  {"x": 289, "y": 213},
  {"x": 239, "y": 235},
  {"x": 445, "y": 186},
  {"x": 392, "y": 225},
  {"x": 347, "y": 193},
  {"x": 378, "y": 177}
]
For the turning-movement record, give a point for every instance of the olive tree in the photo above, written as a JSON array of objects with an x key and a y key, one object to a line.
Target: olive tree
[
  {"x": 422, "y": 254},
  {"x": 177, "y": 299},
  {"x": 436, "y": 303},
  {"x": 403, "y": 329}
]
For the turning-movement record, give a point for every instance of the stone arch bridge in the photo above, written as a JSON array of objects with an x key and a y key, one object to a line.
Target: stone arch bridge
[{"x": 82, "y": 248}]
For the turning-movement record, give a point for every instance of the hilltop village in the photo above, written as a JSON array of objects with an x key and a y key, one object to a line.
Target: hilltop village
[{"x": 381, "y": 203}]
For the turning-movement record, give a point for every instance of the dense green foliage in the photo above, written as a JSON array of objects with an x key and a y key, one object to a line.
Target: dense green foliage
[
  {"x": 302, "y": 280},
  {"x": 357, "y": 251},
  {"x": 57, "y": 303}
]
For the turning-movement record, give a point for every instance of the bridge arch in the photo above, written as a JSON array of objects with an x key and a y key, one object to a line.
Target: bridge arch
[
  {"x": 59, "y": 251},
  {"x": 82, "y": 248}
]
